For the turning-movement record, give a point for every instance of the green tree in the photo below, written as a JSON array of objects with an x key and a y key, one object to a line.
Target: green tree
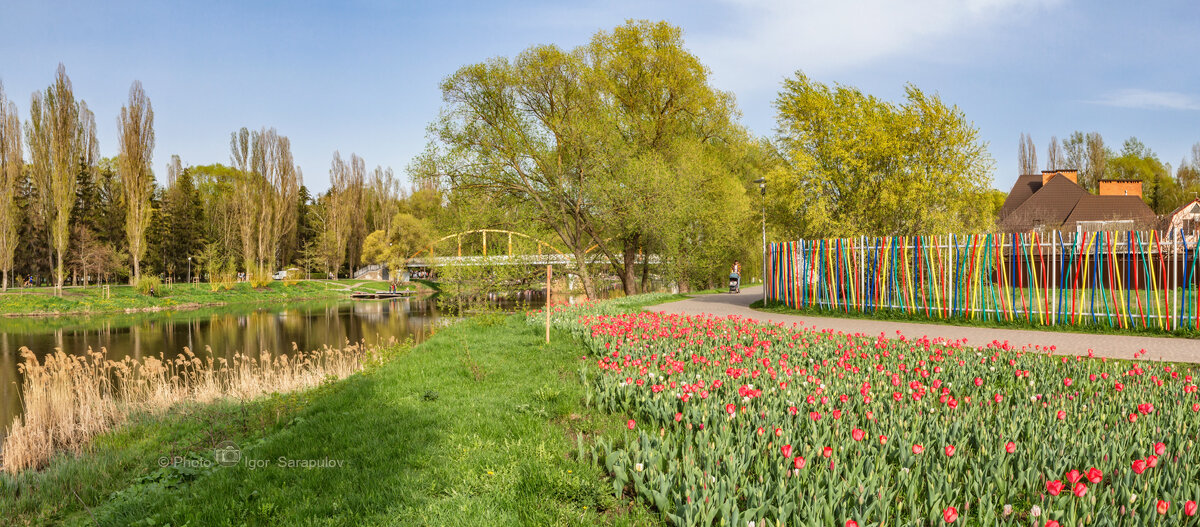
[
  {"x": 1136, "y": 161},
  {"x": 593, "y": 144},
  {"x": 858, "y": 165},
  {"x": 375, "y": 248},
  {"x": 11, "y": 172},
  {"x": 184, "y": 215}
]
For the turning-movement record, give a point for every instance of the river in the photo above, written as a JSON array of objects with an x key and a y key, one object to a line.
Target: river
[{"x": 225, "y": 331}]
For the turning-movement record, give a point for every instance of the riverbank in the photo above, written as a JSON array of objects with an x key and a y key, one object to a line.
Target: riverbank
[
  {"x": 476, "y": 426},
  {"x": 126, "y": 299}
]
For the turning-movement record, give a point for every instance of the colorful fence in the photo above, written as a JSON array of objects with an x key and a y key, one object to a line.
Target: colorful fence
[{"x": 1117, "y": 279}]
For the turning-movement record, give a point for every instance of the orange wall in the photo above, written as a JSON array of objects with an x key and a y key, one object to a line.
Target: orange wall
[{"x": 1121, "y": 188}]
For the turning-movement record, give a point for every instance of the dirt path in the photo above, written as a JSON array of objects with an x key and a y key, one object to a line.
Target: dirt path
[{"x": 1113, "y": 346}]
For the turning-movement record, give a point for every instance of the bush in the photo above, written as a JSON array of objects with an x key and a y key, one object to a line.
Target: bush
[{"x": 149, "y": 285}]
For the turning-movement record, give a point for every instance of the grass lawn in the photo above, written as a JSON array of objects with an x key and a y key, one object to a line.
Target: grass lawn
[
  {"x": 91, "y": 299},
  {"x": 476, "y": 426}
]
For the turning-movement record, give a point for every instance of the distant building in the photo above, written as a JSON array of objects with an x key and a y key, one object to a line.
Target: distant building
[
  {"x": 1053, "y": 200},
  {"x": 1185, "y": 220}
]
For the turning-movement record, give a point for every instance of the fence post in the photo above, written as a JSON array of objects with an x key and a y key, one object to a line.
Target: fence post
[
  {"x": 862, "y": 272},
  {"x": 549, "y": 273},
  {"x": 1175, "y": 278}
]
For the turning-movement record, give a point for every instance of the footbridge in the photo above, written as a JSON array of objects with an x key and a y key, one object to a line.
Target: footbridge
[{"x": 504, "y": 248}]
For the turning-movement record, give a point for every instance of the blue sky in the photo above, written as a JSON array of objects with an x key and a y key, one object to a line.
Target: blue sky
[{"x": 362, "y": 76}]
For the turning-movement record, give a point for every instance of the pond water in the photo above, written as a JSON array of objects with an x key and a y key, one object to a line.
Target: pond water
[{"x": 226, "y": 331}]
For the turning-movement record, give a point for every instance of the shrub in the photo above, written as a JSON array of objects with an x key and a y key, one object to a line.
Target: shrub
[{"x": 150, "y": 285}]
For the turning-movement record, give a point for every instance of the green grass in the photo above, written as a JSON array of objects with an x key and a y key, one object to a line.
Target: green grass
[
  {"x": 900, "y": 316},
  {"x": 476, "y": 426},
  {"x": 86, "y": 300}
]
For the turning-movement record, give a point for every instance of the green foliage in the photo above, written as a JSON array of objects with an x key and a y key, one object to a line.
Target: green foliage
[
  {"x": 617, "y": 144},
  {"x": 858, "y": 165},
  {"x": 1159, "y": 189},
  {"x": 150, "y": 285},
  {"x": 375, "y": 248}
]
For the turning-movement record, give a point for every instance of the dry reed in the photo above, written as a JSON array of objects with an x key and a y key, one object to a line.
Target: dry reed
[{"x": 69, "y": 399}]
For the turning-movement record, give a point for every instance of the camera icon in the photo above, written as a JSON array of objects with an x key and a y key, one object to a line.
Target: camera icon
[{"x": 227, "y": 454}]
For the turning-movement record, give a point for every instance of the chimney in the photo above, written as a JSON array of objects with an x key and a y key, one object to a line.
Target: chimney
[
  {"x": 1069, "y": 173},
  {"x": 1120, "y": 187}
]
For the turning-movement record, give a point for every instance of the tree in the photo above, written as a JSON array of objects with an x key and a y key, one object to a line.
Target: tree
[
  {"x": 1159, "y": 189},
  {"x": 405, "y": 236},
  {"x": 1054, "y": 156},
  {"x": 1087, "y": 154},
  {"x": 184, "y": 215},
  {"x": 854, "y": 164},
  {"x": 1026, "y": 156},
  {"x": 375, "y": 248},
  {"x": 587, "y": 143},
  {"x": 266, "y": 190},
  {"x": 136, "y": 126},
  {"x": 11, "y": 167},
  {"x": 338, "y": 211},
  {"x": 61, "y": 136}
]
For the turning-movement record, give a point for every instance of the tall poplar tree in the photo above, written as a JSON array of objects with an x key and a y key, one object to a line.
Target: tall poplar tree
[
  {"x": 11, "y": 166},
  {"x": 136, "y": 127}
]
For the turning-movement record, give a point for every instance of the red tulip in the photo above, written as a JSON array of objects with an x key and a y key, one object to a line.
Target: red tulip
[
  {"x": 1067, "y": 382},
  {"x": 857, "y": 434},
  {"x": 1133, "y": 418},
  {"x": 799, "y": 462},
  {"x": 631, "y": 424},
  {"x": 1159, "y": 449},
  {"x": 731, "y": 408},
  {"x": 827, "y": 451},
  {"x": 949, "y": 450},
  {"x": 1061, "y": 415},
  {"x": 882, "y": 439},
  {"x": 1079, "y": 490},
  {"x": 786, "y": 450},
  {"x": 1010, "y": 447},
  {"x": 1073, "y": 476},
  {"x": 1054, "y": 487},
  {"x": 1119, "y": 386},
  {"x": 851, "y": 523},
  {"x": 1162, "y": 506},
  {"x": 917, "y": 449},
  {"x": 1196, "y": 407},
  {"x": 1139, "y": 466},
  {"x": 1152, "y": 461},
  {"x": 678, "y": 416},
  {"x": 1051, "y": 523},
  {"x": 950, "y": 514},
  {"x": 1094, "y": 475},
  {"x": 1189, "y": 508}
]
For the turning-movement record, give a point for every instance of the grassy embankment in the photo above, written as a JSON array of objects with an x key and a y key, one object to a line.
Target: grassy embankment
[
  {"x": 1017, "y": 323},
  {"x": 476, "y": 426},
  {"x": 123, "y": 298}
]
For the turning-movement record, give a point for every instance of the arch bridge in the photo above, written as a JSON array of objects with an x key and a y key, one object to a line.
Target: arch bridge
[{"x": 546, "y": 252}]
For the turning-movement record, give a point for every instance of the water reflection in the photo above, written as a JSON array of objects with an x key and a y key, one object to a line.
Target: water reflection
[{"x": 223, "y": 331}]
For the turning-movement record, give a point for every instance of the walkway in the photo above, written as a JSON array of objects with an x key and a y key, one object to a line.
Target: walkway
[{"x": 1113, "y": 346}]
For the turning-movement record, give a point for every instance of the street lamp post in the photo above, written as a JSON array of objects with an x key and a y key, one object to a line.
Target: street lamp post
[
  {"x": 189, "y": 269},
  {"x": 762, "y": 189}
]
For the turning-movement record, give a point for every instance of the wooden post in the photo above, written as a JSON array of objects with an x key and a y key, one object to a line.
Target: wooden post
[{"x": 549, "y": 273}]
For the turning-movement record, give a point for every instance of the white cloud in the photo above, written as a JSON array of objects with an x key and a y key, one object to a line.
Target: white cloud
[
  {"x": 1149, "y": 99},
  {"x": 771, "y": 39}
]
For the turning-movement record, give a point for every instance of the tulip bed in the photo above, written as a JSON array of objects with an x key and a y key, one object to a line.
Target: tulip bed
[{"x": 737, "y": 422}]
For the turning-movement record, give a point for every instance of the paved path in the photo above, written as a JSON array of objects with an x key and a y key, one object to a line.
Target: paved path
[{"x": 1113, "y": 346}]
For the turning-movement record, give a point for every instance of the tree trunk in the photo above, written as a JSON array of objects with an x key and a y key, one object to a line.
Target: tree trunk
[
  {"x": 58, "y": 275},
  {"x": 137, "y": 270},
  {"x": 645, "y": 271},
  {"x": 629, "y": 269},
  {"x": 589, "y": 288},
  {"x": 5, "y": 280}
]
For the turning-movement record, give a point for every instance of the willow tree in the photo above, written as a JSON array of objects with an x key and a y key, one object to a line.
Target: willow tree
[
  {"x": 596, "y": 144},
  {"x": 61, "y": 136},
  {"x": 11, "y": 165},
  {"x": 136, "y": 126}
]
